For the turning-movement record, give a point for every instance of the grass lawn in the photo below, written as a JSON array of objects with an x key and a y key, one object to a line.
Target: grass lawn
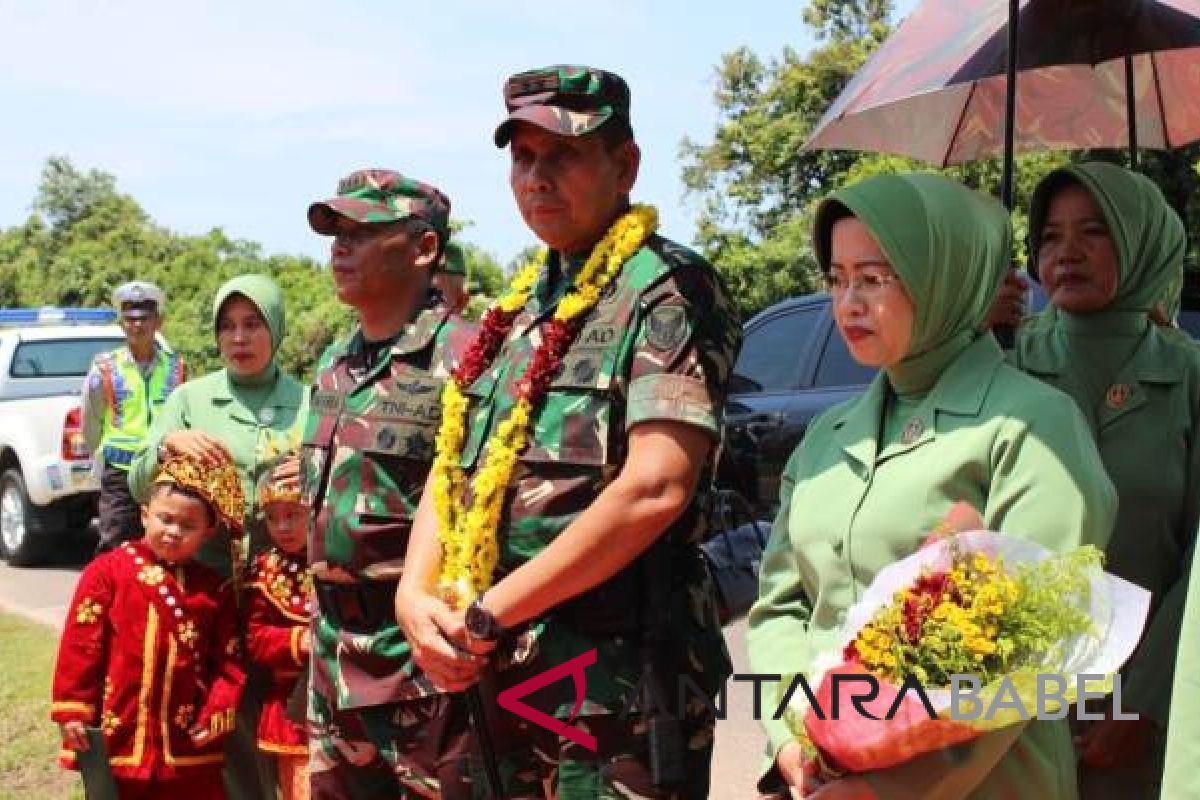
[{"x": 28, "y": 739}]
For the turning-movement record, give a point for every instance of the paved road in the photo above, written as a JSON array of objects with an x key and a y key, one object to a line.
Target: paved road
[{"x": 43, "y": 594}]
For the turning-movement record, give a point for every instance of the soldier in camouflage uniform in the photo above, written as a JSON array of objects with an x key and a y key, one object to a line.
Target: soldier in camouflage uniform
[
  {"x": 598, "y": 538},
  {"x": 374, "y": 719}
]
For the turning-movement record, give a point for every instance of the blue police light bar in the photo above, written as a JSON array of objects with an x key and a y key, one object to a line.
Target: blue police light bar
[{"x": 50, "y": 315}]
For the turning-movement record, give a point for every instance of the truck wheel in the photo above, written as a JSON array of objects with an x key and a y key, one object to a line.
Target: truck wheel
[{"x": 21, "y": 528}]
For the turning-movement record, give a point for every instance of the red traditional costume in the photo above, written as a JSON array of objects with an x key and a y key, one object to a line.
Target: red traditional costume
[
  {"x": 150, "y": 650},
  {"x": 279, "y": 604}
]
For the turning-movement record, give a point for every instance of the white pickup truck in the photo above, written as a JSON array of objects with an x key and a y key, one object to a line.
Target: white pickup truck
[{"x": 48, "y": 490}]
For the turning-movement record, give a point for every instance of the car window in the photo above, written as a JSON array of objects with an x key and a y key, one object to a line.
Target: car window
[
  {"x": 58, "y": 358},
  {"x": 838, "y": 368},
  {"x": 1190, "y": 322},
  {"x": 772, "y": 352}
]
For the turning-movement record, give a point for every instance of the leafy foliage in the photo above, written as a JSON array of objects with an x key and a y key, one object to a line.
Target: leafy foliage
[
  {"x": 759, "y": 189},
  {"x": 85, "y": 238}
]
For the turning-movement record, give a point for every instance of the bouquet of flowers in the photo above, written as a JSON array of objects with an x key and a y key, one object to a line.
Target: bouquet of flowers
[{"x": 1004, "y": 619}]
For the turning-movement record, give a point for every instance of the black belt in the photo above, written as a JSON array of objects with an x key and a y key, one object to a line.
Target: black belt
[{"x": 358, "y": 607}]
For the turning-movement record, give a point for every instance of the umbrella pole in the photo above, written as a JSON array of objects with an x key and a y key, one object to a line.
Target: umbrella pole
[
  {"x": 1005, "y": 335},
  {"x": 1010, "y": 104},
  {"x": 1131, "y": 112}
]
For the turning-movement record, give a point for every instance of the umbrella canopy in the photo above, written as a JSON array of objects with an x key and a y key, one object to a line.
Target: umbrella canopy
[{"x": 935, "y": 90}]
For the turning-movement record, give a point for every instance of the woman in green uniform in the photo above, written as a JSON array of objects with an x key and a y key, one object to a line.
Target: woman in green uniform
[
  {"x": 1108, "y": 248},
  {"x": 253, "y": 410},
  {"x": 1182, "y": 776},
  {"x": 913, "y": 262}
]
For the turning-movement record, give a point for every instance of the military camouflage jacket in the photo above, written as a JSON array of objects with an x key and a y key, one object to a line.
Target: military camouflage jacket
[
  {"x": 368, "y": 444},
  {"x": 658, "y": 346}
]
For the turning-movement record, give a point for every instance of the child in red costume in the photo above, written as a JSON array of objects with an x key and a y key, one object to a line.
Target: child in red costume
[
  {"x": 279, "y": 603},
  {"x": 150, "y": 650}
]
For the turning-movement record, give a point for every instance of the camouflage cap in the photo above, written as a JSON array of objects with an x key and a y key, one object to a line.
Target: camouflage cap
[
  {"x": 564, "y": 99},
  {"x": 454, "y": 261},
  {"x": 381, "y": 195}
]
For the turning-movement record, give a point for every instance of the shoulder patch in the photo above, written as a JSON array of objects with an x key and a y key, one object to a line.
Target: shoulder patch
[{"x": 667, "y": 326}]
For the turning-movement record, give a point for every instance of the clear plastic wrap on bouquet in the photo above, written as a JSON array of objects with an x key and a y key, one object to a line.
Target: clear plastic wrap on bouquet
[{"x": 855, "y": 742}]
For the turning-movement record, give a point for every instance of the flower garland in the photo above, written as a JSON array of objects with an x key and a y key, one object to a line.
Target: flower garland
[{"x": 470, "y": 547}]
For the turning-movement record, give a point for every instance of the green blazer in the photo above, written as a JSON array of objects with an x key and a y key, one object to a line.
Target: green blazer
[
  {"x": 1017, "y": 450},
  {"x": 1181, "y": 778},
  {"x": 1147, "y": 432}
]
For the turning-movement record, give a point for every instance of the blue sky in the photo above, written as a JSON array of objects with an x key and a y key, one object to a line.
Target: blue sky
[{"x": 237, "y": 115}]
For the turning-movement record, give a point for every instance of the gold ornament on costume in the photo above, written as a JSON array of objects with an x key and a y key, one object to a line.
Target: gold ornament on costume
[
  {"x": 151, "y": 575},
  {"x": 183, "y": 716},
  {"x": 88, "y": 611}
]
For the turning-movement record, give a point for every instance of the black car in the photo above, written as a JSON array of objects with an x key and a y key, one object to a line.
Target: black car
[{"x": 794, "y": 365}]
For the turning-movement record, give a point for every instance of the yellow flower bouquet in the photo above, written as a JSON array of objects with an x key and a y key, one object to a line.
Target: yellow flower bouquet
[{"x": 974, "y": 632}]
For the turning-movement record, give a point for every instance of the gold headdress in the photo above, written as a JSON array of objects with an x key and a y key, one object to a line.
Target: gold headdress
[
  {"x": 219, "y": 486},
  {"x": 273, "y": 491}
]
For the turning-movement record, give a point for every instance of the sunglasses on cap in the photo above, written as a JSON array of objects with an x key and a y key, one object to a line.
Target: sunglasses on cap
[{"x": 585, "y": 85}]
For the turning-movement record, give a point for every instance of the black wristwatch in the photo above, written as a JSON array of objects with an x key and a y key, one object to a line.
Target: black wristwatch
[{"x": 481, "y": 623}]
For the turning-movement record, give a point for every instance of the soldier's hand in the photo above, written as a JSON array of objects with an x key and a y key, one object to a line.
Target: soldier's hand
[
  {"x": 74, "y": 736},
  {"x": 287, "y": 474},
  {"x": 196, "y": 445},
  {"x": 431, "y": 629}
]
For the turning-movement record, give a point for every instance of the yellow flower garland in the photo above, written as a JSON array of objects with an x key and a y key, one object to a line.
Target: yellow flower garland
[{"x": 470, "y": 547}]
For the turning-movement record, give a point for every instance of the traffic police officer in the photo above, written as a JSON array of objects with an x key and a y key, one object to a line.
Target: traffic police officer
[{"x": 123, "y": 391}]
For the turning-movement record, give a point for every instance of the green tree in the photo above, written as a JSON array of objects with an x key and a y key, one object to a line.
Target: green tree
[
  {"x": 66, "y": 194},
  {"x": 756, "y": 183},
  {"x": 85, "y": 238},
  {"x": 759, "y": 189}
]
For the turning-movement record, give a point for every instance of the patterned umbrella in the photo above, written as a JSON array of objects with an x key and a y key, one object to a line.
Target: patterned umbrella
[{"x": 1092, "y": 73}]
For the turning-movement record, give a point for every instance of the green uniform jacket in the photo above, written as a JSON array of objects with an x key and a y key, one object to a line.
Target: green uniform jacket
[
  {"x": 368, "y": 446},
  {"x": 1182, "y": 778},
  {"x": 985, "y": 433},
  {"x": 211, "y": 404},
  {"x": 1146, "y": 430}
]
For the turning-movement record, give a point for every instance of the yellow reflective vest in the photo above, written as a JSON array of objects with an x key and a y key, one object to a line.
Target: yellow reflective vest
[{"x": 131, "y": 399}]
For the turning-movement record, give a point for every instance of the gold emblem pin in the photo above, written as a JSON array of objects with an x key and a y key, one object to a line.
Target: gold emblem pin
[
  {"x": 1118, "y": 395},
  {"x": 912, "y": 431}
]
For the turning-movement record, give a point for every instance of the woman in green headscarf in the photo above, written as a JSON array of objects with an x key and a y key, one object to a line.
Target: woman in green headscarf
[
  {"x": 253, "y": 410},
  {"x": 1109, "y": 249},
  {"x": 913, "y": 262}
]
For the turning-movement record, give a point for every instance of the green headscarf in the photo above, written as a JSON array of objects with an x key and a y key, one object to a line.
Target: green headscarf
[
  {"x": 1147, "y": 233},
  {"x": 267, "y": 298},
  {"x": 949, "y": 245}
]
